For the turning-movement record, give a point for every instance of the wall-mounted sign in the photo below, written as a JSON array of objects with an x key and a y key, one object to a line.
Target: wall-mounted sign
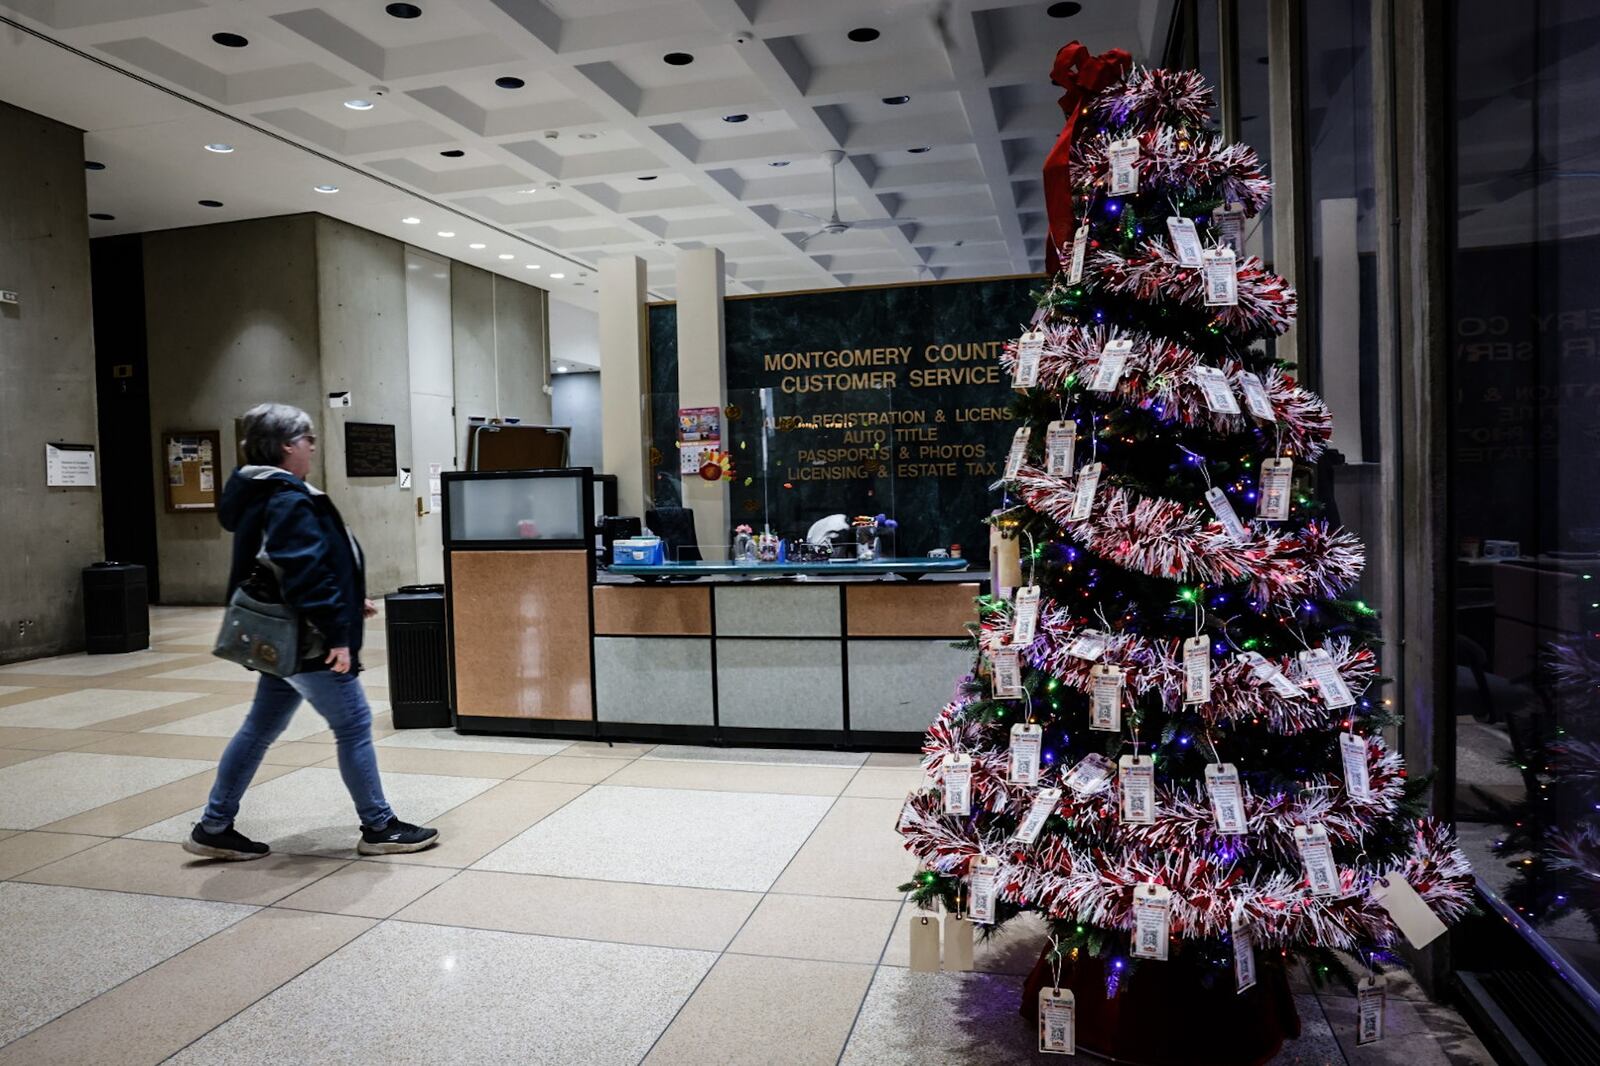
[
  {"x": 338, "y": 399},
  {"x": 369, "y": 450},
  {"x": 69, "y": 465},
  {"x": 699, "y": 436}
]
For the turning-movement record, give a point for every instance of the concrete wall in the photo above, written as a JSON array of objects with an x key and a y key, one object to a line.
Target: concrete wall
[
  {"x": 576, "y": 403},
  {"x": 574, "y": 336},
  {"x": 231, "y": 315},
  {"x": 47, "y": 385},
  {"x": 361, "y": 285},
  {"x": 501, "y": 334},
  {"x": 433, "y": 397}
]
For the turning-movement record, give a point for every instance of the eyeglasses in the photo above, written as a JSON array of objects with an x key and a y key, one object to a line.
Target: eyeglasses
[{"x": 311, "y": 438}]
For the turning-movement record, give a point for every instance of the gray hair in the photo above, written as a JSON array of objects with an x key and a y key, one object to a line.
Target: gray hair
[{"x": 267, "y": 427}]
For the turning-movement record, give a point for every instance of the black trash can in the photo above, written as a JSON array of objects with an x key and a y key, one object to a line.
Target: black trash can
[
  {"x": 419, "y": 657},
  {"x": 116, "y": 608}
]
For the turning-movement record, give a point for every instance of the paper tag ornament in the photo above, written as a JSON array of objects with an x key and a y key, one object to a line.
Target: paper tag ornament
[
  {"x": 957, "y": 943},
  {"x": 1276, "y": 478},
  {"x": 1105, "y": 698},
  {"x": 1083, "y": 497},
  {"x": 983, "y": 887},
  {"x": 1092, "y": 773},
  {"x": 1218, "y": 393},
  {"x": 1058, "y": 1022},
  {"x": 1370, "y": 1002},
  {"x": 1136, "y": 785},
  {"x": 1353, "y": 753},
  {"x": 1060, "y": 442},
  {"x": 1025, "y": 375},
  {"x": 1026, "y": 741},
  {"x": 1244, "y": 952},
  {"x": 924, "y": 943},
  {"x": 1227, "y": 222},
  {"x": 1227, "y": 798},
  {"x": 958, "y": 784},
  {"x": 1005, "y": 665},
  {"x": 1185, "y": 240},
  {"x": 1197, "y": 670},
  {"x": 1256, "y": 398},
  {"x": 1018, "y": 452},
  {"x": 1113, "y": 361},
  {"x": 1080, "y": 249},
  {"x": 1317, "y": 856},
  {"x": 1319, "y": 666},
  {"x": 1152, "y": 921},
  {"x": 1025, "y": 615},
  {"x": 1264, "y": 669},
  {"x": 1221, "y": 275},
  {"x": 1411, "y": 913},
  {"x": 1123, "y": 156},
  {"x": 1043, "y": 806},
  {"x": 1088, "y": 645},
  {"x": 1222, "y": 507}
]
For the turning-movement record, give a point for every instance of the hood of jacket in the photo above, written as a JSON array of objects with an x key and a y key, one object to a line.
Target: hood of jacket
[{"x": 248, "y": 486}]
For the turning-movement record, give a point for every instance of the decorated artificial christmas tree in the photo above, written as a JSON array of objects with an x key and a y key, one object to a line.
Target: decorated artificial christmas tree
[{"x": 1168, "y": 747}]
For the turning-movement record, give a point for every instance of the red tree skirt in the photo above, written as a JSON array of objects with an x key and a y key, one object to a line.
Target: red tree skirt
[{"x": 1161, "y": 1017}]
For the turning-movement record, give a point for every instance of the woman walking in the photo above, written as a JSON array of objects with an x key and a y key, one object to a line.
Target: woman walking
[{"x": 279, "y": 520}]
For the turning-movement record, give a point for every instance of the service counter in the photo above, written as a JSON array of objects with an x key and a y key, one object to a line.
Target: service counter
[{"x": 544, "y": 644}]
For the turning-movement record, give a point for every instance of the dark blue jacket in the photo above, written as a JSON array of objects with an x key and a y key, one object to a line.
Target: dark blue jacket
[{"x": 318, "y": 562}]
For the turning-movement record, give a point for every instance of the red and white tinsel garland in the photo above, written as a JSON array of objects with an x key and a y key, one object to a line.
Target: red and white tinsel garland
[
  {"x": 1267, "y": 304},
  {"x": 1156, "y": 97},
  {"x": 1182, "y": 165}
]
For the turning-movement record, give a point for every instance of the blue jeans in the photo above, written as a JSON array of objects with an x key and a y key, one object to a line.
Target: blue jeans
[{"x": 337, "y": 697}]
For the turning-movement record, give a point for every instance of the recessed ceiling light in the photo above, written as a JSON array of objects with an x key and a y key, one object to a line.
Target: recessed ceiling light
[
  {"x": 509, "y": 82},
  {"x": 677, "y": 59},
  {"x": 561, "y": 370},
  {"x": 447, "y": 233},
  {"x": 209, "y": 203},
  {"x": 507, "y": 255},
  {"x": 587, "y": 136},
  {"x": 533, "y": 266},
  {"x": 93, "y": 164},
  {"x": 358, "y": 105},
  {"x": 529, "y": 191},
  {"x": 863, "y": 34},
  {"x": 647, "y": 177},
  {"x": 477, "y": 246},
  {"x": 558, "y": 277},
  {"x": 735, "y": 118},
  {"x": 411, "y": 220},
  {"x": 326, "y": 188},
  {"x": 452, "y": 153},
  {"x": 919, "y": 150},
  {"x": 1063, "y": 10},
  {"x": 219, "y": 148},
  {"x": 778, "y": 163},
  {"x": 404, "y": 11},
  {"x": 101, "y": 216},
  {"x": 230, "y": 40},
  {"x": 896, "y": 101}
]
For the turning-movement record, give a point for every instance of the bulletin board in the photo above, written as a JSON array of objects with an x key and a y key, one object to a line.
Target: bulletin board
[{"x": 191, "y": 469}]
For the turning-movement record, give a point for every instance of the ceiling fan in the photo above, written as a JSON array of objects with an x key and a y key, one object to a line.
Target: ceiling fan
[{"x": 833, "y": 224}]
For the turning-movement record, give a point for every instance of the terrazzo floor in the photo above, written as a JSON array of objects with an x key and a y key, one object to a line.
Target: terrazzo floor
[{"x": 590, "y": 903}]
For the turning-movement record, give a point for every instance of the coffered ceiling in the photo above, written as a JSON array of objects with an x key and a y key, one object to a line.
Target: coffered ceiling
[{"x": 556, "y": 132}]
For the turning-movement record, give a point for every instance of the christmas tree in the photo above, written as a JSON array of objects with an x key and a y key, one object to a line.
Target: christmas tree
[{"x": 1168, "y": 746}]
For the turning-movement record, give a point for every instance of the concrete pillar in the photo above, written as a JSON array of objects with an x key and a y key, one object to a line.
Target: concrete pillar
[
  {"x": 624, "y": 382},
  {"x": 703, "y": 379},
  {"x": 1339, "y": 324}
]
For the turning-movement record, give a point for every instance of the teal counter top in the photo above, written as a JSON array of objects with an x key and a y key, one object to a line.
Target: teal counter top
[{"x": 910, "y": 569}]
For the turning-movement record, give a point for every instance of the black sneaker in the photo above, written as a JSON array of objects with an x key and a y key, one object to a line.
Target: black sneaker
[
  {"x": 230, "y": 844},
  {"x": 395, "y": 838}
]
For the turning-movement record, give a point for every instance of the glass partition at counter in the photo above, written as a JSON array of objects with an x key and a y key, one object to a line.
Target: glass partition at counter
[{"x": 542, "y": 508}]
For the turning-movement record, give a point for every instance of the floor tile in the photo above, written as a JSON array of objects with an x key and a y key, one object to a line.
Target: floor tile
[
  {"x": 368, "y": 889},
  {"x": 162, "y": 869},
  {"x": 64, "y": 783},
  {"x": 63, "y": 946},
  {"x": 308, "y": 812},
  {"x": 11, "y": 756},
  {"x": 759, "y": 1011},
  {"x": 1316, "y": 1045},
  {"x": 577, "y": 770},
  {"x": 734, "y": 777},
  {"x": 893, "y": 760},
  {"x": 21, "y": 852},
  {"x": 463, "y": 995},
  {"x": 661, "y": 915},
  {"x": 159, "y": 746},
  {"x": 780, "y": 756},
  {"x": 89, "y": 706},
  {"x": 469, "y": 832},
  {"x": 81, "y": 665},
  {"x": 163, "y": 1009},
  {"x": 226, "y": 721},
  {"x": 454, "y": 763},
  {"x": 602, "y": 749},
  {"x": 895, "y": 783},
  {"x": 948, "y": 1018},
  {"x": 1013, "y": 948},
  {"x": 212, "y": 670},
  {"x": 450, "y": 740},
  {"x": 665, "y": 837},
  {"x": 30, "y": 738},
  {"x": 854, "y": 852},
  {"x": 126, "y": 815},
  {"x": 818, "y": 927}
]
